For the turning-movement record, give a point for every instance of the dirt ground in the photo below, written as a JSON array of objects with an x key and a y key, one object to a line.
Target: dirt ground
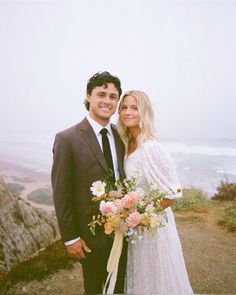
[{"x": 209, "y": 251}]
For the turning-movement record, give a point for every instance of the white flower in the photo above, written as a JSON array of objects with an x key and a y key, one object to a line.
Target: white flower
[
  {"x": 131, "y": 232},
  {"x": 140, "y": 192},
  {"x": 153, "y": 185},
  {"x": 150, "y": 208},
  {"x": 133, "y": 242},
  {"x": 98, "y": 188}
]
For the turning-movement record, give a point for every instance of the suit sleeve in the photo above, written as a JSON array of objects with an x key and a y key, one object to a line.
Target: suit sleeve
[{"x": 62, "y": 184}]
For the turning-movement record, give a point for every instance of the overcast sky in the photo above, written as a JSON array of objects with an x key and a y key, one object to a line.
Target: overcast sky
[{"x": 181, "y": 53}]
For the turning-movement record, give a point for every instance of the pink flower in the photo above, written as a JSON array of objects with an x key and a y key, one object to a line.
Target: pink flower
[
  {"x": 130, "y": 200},
  {"x": 133, "y": 219},
  {"x": 107, "y": 208},
  {"x": 118, "y": 203}
]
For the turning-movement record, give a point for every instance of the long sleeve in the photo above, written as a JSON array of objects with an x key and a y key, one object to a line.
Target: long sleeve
[
  {"x": 62, "y": 183},
  {"x": 159, "y": 168}
]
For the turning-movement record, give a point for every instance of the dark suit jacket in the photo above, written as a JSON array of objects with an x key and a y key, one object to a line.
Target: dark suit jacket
[{"x": 78, "y": 161}]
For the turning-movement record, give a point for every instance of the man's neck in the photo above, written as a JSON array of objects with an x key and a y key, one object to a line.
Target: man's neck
[{"x": 101, "y": 122}]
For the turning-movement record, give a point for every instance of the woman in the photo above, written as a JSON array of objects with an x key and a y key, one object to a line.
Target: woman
[{"x": 155, "y": 264}]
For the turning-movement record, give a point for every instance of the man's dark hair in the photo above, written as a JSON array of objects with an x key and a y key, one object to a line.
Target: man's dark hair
[{"x": 100, "y": 79}]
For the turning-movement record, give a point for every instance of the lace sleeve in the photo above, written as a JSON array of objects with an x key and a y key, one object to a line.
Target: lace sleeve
[{"x": 159, "y": 168}]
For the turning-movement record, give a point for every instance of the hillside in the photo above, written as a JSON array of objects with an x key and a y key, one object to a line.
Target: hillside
[{"x": 24, "y": 230}]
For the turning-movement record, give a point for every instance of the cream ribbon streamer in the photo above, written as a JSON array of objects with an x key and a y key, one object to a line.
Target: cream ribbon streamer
[{"x": 113, "y": 263}]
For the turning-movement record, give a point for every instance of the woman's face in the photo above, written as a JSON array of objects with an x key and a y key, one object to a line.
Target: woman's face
[{"x": 129, "y": 113}]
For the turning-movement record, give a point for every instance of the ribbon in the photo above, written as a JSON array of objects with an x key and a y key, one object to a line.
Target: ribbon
[{"x": 113, "y": 263}]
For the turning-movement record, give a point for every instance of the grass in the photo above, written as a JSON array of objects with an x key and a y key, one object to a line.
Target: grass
[
  {"x": 227, "y": 218},
  {"x": 225, "y": 192},
  {"x": 41, "y": 196},
  {"x": 46, "y": 262},
  {"x": 192, "y": 199}
]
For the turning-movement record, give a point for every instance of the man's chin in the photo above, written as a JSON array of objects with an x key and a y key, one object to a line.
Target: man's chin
[{"x": 106, "y": 116}]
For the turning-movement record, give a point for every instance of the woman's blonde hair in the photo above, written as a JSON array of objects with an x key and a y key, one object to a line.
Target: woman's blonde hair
[{"x": 147, "y": 119}]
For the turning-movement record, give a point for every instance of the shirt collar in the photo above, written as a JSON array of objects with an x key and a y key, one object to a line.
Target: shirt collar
[{"x": 97, "y": 127}]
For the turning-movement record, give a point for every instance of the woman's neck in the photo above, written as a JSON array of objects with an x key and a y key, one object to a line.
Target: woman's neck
[{"x": 134, "y": 133}]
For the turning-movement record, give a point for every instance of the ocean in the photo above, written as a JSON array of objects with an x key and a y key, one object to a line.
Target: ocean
[{"x": 199, "y": 163}]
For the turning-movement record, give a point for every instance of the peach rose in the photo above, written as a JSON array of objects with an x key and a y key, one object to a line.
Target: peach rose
[
  {"x": 130, "y": 200},
  {"x": 107, "y": 208},
  {"x": 108, "y": 228},
  {"x": 133, "y": 219}
]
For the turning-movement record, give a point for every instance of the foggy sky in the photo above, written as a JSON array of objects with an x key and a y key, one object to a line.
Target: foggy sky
[{"x": 181, "y": 53}]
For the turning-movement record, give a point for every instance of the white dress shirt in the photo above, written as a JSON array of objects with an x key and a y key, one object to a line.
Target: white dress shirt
[{"x": 97, "y": 128}]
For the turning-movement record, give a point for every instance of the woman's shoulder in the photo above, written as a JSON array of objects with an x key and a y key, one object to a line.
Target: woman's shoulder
[
  {"x": 153, "y": 144},
  {"x": 155, "y": 147}
]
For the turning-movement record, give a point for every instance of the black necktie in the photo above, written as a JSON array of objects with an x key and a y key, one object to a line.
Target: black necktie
[{"x": 107, "y": 151}]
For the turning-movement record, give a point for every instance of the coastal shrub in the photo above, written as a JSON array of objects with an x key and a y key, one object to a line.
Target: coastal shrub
[
  {"x": 17, "y": 214},
  {"x": 227, "y": 218},
  {"x": 15, "y": 188},
  {"x": 41, "y": 196},
  {"x": 46, "y": 262},
  {"x": 192, "y": 199},
  {"x": 225, "y": 192}
]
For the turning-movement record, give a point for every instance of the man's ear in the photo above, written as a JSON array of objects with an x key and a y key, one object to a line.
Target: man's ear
[{"x": 88, "y": 97}]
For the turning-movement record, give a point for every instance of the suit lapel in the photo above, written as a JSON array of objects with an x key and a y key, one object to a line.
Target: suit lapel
[{"x": 91, "y": 139}]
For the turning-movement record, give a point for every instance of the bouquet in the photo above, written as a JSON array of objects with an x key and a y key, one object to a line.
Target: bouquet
[
  {"x": 120, "y": 208},
  {"x": 123, "y": 213}
]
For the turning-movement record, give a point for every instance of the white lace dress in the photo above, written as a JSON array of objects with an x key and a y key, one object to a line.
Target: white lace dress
[{"x": 156, "y": 264}]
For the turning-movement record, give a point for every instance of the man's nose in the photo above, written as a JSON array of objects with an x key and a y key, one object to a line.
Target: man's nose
[{"x": 106, "y": 99}]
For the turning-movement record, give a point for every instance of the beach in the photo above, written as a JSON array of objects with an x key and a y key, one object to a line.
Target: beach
[
  {"x": 30, "y": 179},
  {"x": 202, "y": 164}
]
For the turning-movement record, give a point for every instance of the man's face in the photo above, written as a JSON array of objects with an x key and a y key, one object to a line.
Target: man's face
[{"x": 103, "y": 103}]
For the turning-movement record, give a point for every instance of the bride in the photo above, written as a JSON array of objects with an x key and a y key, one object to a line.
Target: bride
[{"x": 155, "y": 263}]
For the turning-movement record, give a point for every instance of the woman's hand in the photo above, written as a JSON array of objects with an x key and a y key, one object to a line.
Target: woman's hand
[{"x": 166, "y": 203}]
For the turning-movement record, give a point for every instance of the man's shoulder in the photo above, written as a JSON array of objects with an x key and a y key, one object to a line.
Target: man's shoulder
[{"x": 72, "y": 130}]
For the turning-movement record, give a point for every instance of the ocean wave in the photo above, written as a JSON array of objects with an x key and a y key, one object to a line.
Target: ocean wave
[{"x": 175, "y": 147}]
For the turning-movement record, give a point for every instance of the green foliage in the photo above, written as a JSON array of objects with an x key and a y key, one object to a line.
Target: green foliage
[
  {"x": 227, "y": 218},
  {"x": 226, "y": 192},
  {"x": 17, "y": 214},
  {"x": 192, "y": 199},
  {"x": 48, "y": 261},
  {"x": 41, "y": 196},
  {"x": 15, "y": 188}
]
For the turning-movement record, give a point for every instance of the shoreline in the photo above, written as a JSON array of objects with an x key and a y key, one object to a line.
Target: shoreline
[
  {"x": 30, "y": 178},
  {"x": 33, "y": 179}
]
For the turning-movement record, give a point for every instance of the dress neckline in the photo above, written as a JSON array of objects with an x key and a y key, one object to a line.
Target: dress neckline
[{"x": 131, "y": 154}]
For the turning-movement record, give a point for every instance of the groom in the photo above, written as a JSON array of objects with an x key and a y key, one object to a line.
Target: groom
[{"x": 79, "y": 159}]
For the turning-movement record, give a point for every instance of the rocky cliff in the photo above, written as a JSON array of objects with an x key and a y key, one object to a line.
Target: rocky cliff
[{"x": 24, "y": 230}]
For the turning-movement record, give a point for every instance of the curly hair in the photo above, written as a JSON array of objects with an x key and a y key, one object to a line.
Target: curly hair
[{"x": 100, "y": 79}]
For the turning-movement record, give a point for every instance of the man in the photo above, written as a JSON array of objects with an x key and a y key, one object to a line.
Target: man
[{"x": 80, "y": 158}]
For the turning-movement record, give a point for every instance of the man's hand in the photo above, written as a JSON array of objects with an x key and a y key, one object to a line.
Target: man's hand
[{"x": 77, "y": 249}]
